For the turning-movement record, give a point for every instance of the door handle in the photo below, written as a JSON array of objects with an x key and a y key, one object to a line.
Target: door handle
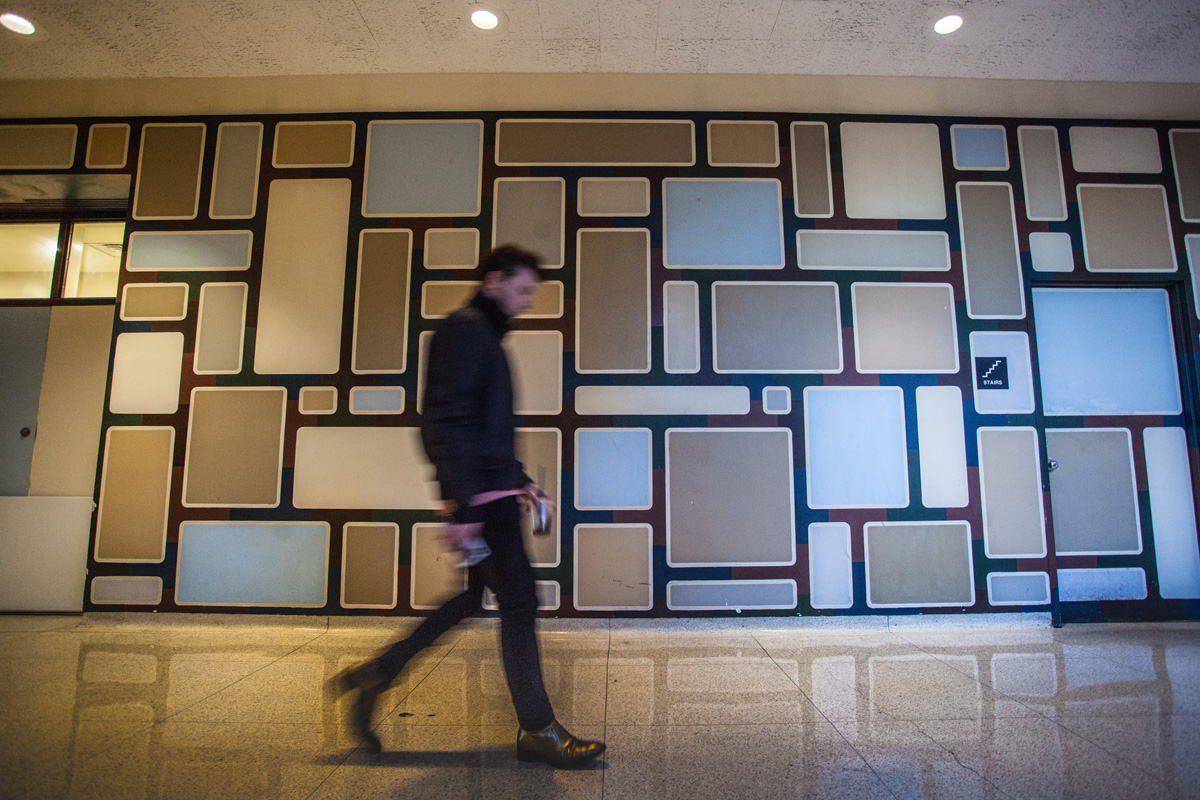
[
  {"x": 1051, "y": 465},
  {"x": 25, "y": 433}
]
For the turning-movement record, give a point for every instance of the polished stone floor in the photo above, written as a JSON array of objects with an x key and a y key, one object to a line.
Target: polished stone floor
[{"x": 233, "y": 706}]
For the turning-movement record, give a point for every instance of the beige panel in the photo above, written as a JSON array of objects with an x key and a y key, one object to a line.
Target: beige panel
[
  {"x": 919, "y": 564},
  {"x": 540, "y": 452},
  {"x": 1125, "y": 228},
  {"x": 369, "y": 564},
  {"x": 530, "y": 213},
  {"x": 168, "y": 177},
  {"x": 362, "y": 468},
  {"x": 436, "y": 576},
  {"x": 221, "y": 328},
  {"x": 743, "y": 144},
  {"x": 991, "y": 263},
  {"x": 681, "y": 326},
  {"x": 613, "y": 568},
  {"x": 1114, "y": 149},
  {"x": 135, "y": 487},
  {"x": 595, "y": 142},
  {"x": 146, "y": 372},
  {"x": 37, "y": 146},
  {"x": 812, "y": 187},
  {"x": 1010, "y": 482},
  {"x": 672, "y": 400},
  {"x": 313, "y": 144},
  {"x": 71, "y": 403},
  {"x": 904, "y": 327},
  {"x": 236, "y": 170},
  {"x": 234, "y": 447},
  {"x": 451, "y": 248},
  {"x": 381, "y": 302},
  {"x": 318, "y": 400},
  {"x": 613, "y": 197},
  {"x": 439, "y": 299},
  {"x": 535, "y": 358},
  {"x": 153, "y": 302},
  {"x": 107, "y": 147},
  {"x": 776, "y": 326},
  {"x": 892, "y": 170},
  {"x": 303, "y": 277},
  {"x": 1185, "y": 155},
  {"x": 612, "y": 300}
]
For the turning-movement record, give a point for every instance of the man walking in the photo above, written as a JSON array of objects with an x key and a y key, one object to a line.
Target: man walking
[{"x": 469, "y": 435}]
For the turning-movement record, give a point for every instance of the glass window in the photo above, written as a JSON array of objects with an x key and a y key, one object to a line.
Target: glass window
[
  {"x": 94, "y": 260},
  {"x": 27, "y": 255}
]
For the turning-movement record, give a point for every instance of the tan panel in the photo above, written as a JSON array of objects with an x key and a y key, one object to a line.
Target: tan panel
[
  {"x": 991, "y": 263},
  {"x": 369, "y": 564},
  {"x": 37, "y": 146},
  {"x": 613, "y": 197},
  {"x": 168, "y": 178},
  {"x": 451, "y": 248},
  {"x": 540, "y": 453},
  {"x": 441, "y": 298},
  {"x": 530, "y": 213},
  {"x": 1125, "y": 228},
  {"x": 221, "y": 328},
  {"x": 71, "y": 404},
  {"x": 318, "y": 400},
  {"x": 236, "y": 170},
  {"x": 613, "y": 568},
  {"x": 146, "y": 372},
  {"x": 313, "y": 144},
  {"x": 362, "y": 468},
  {"x": 919, "y": 564},
  {"x": 303, "y": 277},
  {"x": 135, "y": 487},
  {"x": 743, "y": 144},
  {"x": 381, "y": 302},
  {"x": 108, "y": 146},
  {"x": 435, "y": 576},
  {"x": 904, "y": 327},
  {"x": 535, "y": 358},
  {"x": 594, "y": 142},
  {"x": 1185, "y": 153},
  {"x": 612, "y": 300},
  {"x": 149, "y": 302},
  {"x": 1010, "y": 483},
  {"x": 234, "y": 447}
]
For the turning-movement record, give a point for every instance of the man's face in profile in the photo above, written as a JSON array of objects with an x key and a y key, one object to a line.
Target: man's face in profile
[{"x": 513, "y": 293}]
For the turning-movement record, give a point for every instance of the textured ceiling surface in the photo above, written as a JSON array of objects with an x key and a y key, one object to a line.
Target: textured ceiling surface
[{"x": 1086, "y": 40}]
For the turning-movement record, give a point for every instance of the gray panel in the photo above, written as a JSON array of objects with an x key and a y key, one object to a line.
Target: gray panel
[
  {"x": 776, "y": 327},
  {"x": 681, "y": 326},
  {"x": 189, "y": 251},
  {"x": 423, "y": 168},
  {"x": 1185, "y": 152},
  {"x": 235, "y": 176},
  {"x": 890, "y": 250},
  {"x": 1018, "y": 588},
  {"x": 919, "y": 564},
  {"x": 1010, "y": 483},
  {"x": 1041, "y": 170},
  {"x": 991, "y": 264},
  {"x": 712, "y": 595},
  {"x": 24, "y": 333},
  {"x": 1092, "y": 492},
  {"x": 127, "y": 590}
]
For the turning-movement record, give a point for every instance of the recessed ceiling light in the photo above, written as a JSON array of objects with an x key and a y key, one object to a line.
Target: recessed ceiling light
[
  {"x": 17, "y": 24},
  {"x": 948, "y": 24},
  {"x": 483, "y": 19}
]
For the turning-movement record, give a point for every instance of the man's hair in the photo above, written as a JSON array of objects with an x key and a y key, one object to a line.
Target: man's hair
[{"x": 508, "y": 259}]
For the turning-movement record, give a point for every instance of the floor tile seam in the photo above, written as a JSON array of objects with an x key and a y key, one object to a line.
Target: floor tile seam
[
  {"x": 780, "y": 668},
  {"x": 1116, "y": 756},
  {"x": 118, "y": 741},
  {"x": 858, "y": 753},
  {"x": 414, "y": 687},
  {"x": 958, "y": 761}
]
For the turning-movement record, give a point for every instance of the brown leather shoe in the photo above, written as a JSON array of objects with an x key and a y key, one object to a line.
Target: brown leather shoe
[
  {"x": 555, "y": 745},
  {"x": 370, "y": 682}
]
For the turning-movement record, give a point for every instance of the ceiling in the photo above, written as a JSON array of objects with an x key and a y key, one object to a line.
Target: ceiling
[{"x": 1072, "y": 40}]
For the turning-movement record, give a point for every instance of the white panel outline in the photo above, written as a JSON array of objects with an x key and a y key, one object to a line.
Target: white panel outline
[
  {"x": 828, "y": 171},
  {"x": 1087, "y": 262},
  {"x": 103, "y": 579},
  {"x": 732, "y": 122},
  {"x": 1095, "y": 570},
  {"x": 923, "y": 391},
  {"x": 478, "y": 168},
  {"x": 199, "y": 168},
  {"x": 1028, "y": 375},
  {"x": 241, "y": 336},
  {"x": 837, "y": 307},
  {"x": 649, "y": 563},
  {"x": 257, "y": 172},
  {"x": 1062, "y": 192},
  {"x": 1175, "y": 166},
  {"x": 87, "y": 158},
  {"x": 954, "y": 148},
  {"x": 754, "y": 607},
  {"x": 256, "y": 523},
  {"x": 945, "y": 237},
  {"x": 60, "y": 165},
  {"x": 150, "y": 287},
  {"x": 425, "y": 248},
  {"x": 1035, "y": 467},
  {"x": 689, "y": 123},
  {"x": 317, "y": 390},
  {"x": 812, "y": 576},
  {"x": 896, "y": 390},
  {"x": 953, "y": 330},
  {"x": 562, "y": 215},
  {"x": 695, "y": 288},
  {"x": 554, "y": 286},
  {"x": 357, "y": 293},
  {"x": 313, "y": 124},
  {"x": 1133, "y": 492},
  {"x": 778, "y": 206},
  {"x": 1056, "y": 234},
  {"x": 993, "y": 602},
  {"x": 1081, "y": 144},
  {"x": 791, "y": 499},
  {"x": 579, "y": 188},
  {"x": 412, "y": 568},
  {"x": 357, "y": 390},
  {"x": 395, "y": 565},
  {"x": 922, "y": 523},
  {"x": 556, "y": 518},
  {"x": 649, "y": 469},
  {"x": 491, "y": 604},
  {"x": 280, "y": 390},
  {"x": 1012, "y": 215},
  {"x": 579, "y": 301},
  {"x": 777, "y": 412},
  {"x": 104, "y": 483},
  {"x": 720, "y": 393},
  {"x": 219, "y": 268}
]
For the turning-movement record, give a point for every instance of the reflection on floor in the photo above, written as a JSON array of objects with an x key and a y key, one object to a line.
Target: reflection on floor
[{"x": 141, "y": 706}]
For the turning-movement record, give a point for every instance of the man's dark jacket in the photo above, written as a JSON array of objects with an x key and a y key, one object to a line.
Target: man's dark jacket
[{"x": 468, "y": 425}]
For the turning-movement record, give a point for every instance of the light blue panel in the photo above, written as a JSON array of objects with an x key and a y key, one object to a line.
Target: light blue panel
[
  {"x": 376, "y": 401},
  {"x": 1121, "y": 583},
  {"x": 189, "y": 251},
  {"x": 612, "y": 469},
  {"x": 1018, "y": 588},
  {"x": 979, "y": 148},
  {"x": 1105, "y": 351},
  {"x": 423, "y": 169},
  {"x": 855, "y": 447},
  {"x": 722, "y": 223},
  {"x": 252, "y": 564},
  {"x": 830, "y": 570},
  {"x": 23, "y": 336}
]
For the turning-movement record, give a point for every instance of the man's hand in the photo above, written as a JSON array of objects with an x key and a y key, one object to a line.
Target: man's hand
[
  {"x": 532, "y": 493},
  {"x": 455, "y": 536}
]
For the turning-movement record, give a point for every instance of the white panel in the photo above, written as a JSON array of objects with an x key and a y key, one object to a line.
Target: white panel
[
  {"x": 1096, "y": 149},
  {"x": 830, "y": 565},
  {"x": 1051, "y": 252},
  {"x": 146, "y": 373},
  {"x": 1004, "y": 352},
  {"x": 941, "y": 441},
  {"x": 43, "y": 552},
  {"x": 1173, "y": 512},
  {"x": 700, "y": 400},
  {"x": 681, "y": 326},
  {"x": 1120, "y": 583},
  {"x": 1018, "y": 588},
  {"x": 362, "y": 468},
  {"x": 731, "y": 595}
]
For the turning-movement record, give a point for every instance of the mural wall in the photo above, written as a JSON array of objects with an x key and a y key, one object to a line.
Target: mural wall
[{"x": 783, "y": 364}]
